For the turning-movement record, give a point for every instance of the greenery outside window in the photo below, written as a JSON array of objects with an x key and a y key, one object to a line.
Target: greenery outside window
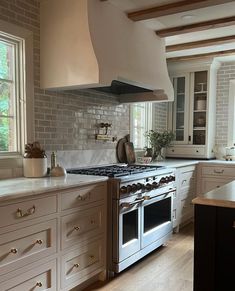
[
  {"x": 141, "y": 120},
  {"x": 16, "y": 91}
]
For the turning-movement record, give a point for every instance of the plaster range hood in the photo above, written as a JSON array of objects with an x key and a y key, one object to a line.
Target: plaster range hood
[{"x": 92, "y": 44}]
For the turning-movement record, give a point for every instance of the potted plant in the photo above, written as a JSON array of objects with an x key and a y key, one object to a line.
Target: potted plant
[{"x": 159, "y": 141}]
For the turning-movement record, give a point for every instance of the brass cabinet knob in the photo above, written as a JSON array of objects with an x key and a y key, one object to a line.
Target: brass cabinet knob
[
  {"x": 76, "y": 265},
  {"x": 39, "y": 284},
  {"x": 76, "y": 228},
  {"x": 39, "y": 241},
  {"x": 91, "y": 257},
  {"x": 14, "y": 251},
  {"x": 92, "y": 221}
]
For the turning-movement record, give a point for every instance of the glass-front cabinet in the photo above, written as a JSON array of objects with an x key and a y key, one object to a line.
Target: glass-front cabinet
[{"x": 192, "y": 114}]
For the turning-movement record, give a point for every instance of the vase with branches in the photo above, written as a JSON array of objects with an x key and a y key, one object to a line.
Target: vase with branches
[{"x": 159, "y": 141}]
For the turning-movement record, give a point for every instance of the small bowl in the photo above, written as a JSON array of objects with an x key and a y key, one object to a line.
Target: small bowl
[{"x": 144, "y": 160}]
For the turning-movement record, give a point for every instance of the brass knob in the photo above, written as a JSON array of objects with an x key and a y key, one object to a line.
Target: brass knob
[
  {"x": 14, "y": 251},
  {"x": 76, "y": 228},
  {"x": 39, "y": 284},
  {"x": 92, "y": 257},
  {"x": 39, "y": 241},
  {"x": 76, "y": 265},
  {"x": 92, "y": 221}
]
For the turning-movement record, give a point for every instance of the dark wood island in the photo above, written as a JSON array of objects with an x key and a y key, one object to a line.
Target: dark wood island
[{"x": 214, "y": 240}]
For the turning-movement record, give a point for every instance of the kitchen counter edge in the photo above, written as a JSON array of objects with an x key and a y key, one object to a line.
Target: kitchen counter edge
[{"x": 24, "y": 187}]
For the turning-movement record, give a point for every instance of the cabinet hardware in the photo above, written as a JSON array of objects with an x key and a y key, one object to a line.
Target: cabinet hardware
[
  {"x": 76, "y": 228},
  {"x": 197, "y": 151},
  {"x": 83, "y": 197},
  {"x": 217, "y": 186},
  {"x": 14, "y": 251},
  {"x": 218, "y": 171},
  {"x": 184, "y": 181},
  {"x": 189, "y": 138},
  {"x": 30, "y": 211},
  {"x": 76, "y": 265},
  {"x": 91, "y": 257},
  {"x": 92, "y": 221},
  {"x": 39, "y": 241},
  {"x": 39, "y": 284}
]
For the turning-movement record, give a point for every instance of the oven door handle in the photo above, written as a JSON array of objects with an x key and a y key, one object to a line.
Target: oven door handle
[
  {"x": 130, "y": 204},
  {"x": 147, "y": 197}
]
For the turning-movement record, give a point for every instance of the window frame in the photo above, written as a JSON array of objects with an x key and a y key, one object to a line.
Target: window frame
[
  {"x": 25, "y": 91},
  {"x": 148, "y": 120}
]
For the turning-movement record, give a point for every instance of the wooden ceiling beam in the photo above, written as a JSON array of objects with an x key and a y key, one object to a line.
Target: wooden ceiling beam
[
  {"x": 202, "y": 56},
  {"x": 173, "y": 8},
  {"x": 200, "y": 26},
  {"x": 200, "y": 43}
]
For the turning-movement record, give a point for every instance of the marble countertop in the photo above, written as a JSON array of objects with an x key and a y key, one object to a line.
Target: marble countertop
[
  {"x": 175, "y": 163},
  {"x": 222, "y": 197},
  {"x": 23, "y": 187}
]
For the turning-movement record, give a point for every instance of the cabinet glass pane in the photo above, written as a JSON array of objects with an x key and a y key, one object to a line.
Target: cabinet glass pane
[
  {"x": 179, "y": 108},
  {"x": 200, "y": 107}
]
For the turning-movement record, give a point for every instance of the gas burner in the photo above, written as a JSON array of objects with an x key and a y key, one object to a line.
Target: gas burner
[{"x": 114, "y": 170}]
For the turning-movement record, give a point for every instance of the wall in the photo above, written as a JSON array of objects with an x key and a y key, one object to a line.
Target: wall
[
  {"x": 66, "y": 121},
  {"x": 225, "y": 73}
]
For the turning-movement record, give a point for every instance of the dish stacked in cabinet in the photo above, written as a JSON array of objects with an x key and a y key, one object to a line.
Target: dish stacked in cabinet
[{"x": 53, "y": 241}]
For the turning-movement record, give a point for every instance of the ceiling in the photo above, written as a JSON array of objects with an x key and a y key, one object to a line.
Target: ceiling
[{"x": 191, "y": 29}]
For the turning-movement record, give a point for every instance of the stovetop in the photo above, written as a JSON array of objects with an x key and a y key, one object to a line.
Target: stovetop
[{"x": 113, "y": 171}]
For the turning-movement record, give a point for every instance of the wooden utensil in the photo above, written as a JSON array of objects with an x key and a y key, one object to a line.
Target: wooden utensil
[{"x": 120, "y": 150}]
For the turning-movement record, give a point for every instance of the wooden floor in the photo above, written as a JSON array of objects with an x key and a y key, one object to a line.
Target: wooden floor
[{"x": 170, "y": 268}]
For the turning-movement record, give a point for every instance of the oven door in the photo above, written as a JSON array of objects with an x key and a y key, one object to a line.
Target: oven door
[
  {"x": 129, "y": 228},
  {"x": 156, "y": 218}
]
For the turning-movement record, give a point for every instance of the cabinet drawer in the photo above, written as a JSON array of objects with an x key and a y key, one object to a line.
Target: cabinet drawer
[
  {"x": 218, "y": 171},
  {"x": 22, "y": 211},
  {"x": 208, "y": 184},
  {"x": 81, "y": 226},
  {"x": 79, "y": 197},
  {"x": 187, "y": 151},
  {"x": 187, "y": 180},
  {"x": 43, "y": 278},
  {"x": 186, "y": 209},
  {"x": 26, "y": 245},
  {"x": 76, "y": 265}
]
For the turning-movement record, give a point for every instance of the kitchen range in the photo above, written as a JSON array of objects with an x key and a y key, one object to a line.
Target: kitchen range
[{"x": 140, "y": 212}]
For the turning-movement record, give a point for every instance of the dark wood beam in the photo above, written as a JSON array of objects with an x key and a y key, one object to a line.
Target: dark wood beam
[
  {"x": 215, "y": 23},
  {"x": 172, "y": 8},
  {"x": 202, "y": 56},
  {"x": 200, "y": 43}
]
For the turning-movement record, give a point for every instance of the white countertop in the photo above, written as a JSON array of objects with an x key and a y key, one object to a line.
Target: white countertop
[
  {"x": 175, "y": 163},
  {"x": 22, "y": 187},
  {"x": 222, "y": 197}
]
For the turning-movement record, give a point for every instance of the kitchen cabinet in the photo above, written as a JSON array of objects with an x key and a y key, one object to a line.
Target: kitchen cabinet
[
  {"x": 192, "y": 114},
  {"x": 214, "y": 252},
  {"x": 186, "y": 191},
  {"x": 53, "y": 241},
  {"x": 212, "y": 176}
]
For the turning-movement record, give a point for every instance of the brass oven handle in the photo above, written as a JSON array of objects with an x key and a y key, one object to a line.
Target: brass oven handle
[
  {"x": 147, "y": 197},
  {"x": 30, "y": 211},
  {"x": 130, "y": 204}
]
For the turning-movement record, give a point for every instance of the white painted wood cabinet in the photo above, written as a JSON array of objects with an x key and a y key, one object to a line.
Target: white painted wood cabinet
[
  {"x": 192, "y": 114},
  {"x": 53, "y": 241},
  {"x": 212, "y": 176},
  {"x": 186, "y": 191}
]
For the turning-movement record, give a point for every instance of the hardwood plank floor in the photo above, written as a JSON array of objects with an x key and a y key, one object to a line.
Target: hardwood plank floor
[{"x": 169, "y": 268}]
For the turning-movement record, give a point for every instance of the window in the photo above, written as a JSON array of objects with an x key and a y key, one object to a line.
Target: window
[
  {"x": 16, "y": 90},
  {"x": 141, "y": 121}
]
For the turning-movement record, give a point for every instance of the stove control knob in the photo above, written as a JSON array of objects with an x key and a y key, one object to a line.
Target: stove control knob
[
  {"x": 155, "y": 185},
  {"x": 139, "y": 186},
  {"x": 148, "y": 187},
  {"x": 123, "y": 190},
  {"x": 129, "y": 188},
  {"x": 134, "y": 188},
  {"x": 172, "y": 178},
  {"x": 163, "y": 180}
]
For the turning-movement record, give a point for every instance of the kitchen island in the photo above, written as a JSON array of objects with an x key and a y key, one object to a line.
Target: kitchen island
[{"x": 214, "y": 251}]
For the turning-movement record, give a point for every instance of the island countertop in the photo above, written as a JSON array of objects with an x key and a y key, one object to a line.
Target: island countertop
[
  {"x": 22, "y": 187},
  {"x": 222, "y": 197}
]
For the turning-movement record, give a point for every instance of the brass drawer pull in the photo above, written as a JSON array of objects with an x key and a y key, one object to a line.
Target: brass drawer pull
[
  {"x": 76, "y": 265},
  {"x": 84, "y": 197},
  {"x": 92, "y": 257},
  {"x": 76, "y": 228},
  {"x": 218, "y": 171},
  {"x": 92, "y": 221},
  {"x": 14, "y": 251},
  {"x": 39, "y": 241},
  {"x": 39, "y": 284},
  {"x": 30, "y": 211}
]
